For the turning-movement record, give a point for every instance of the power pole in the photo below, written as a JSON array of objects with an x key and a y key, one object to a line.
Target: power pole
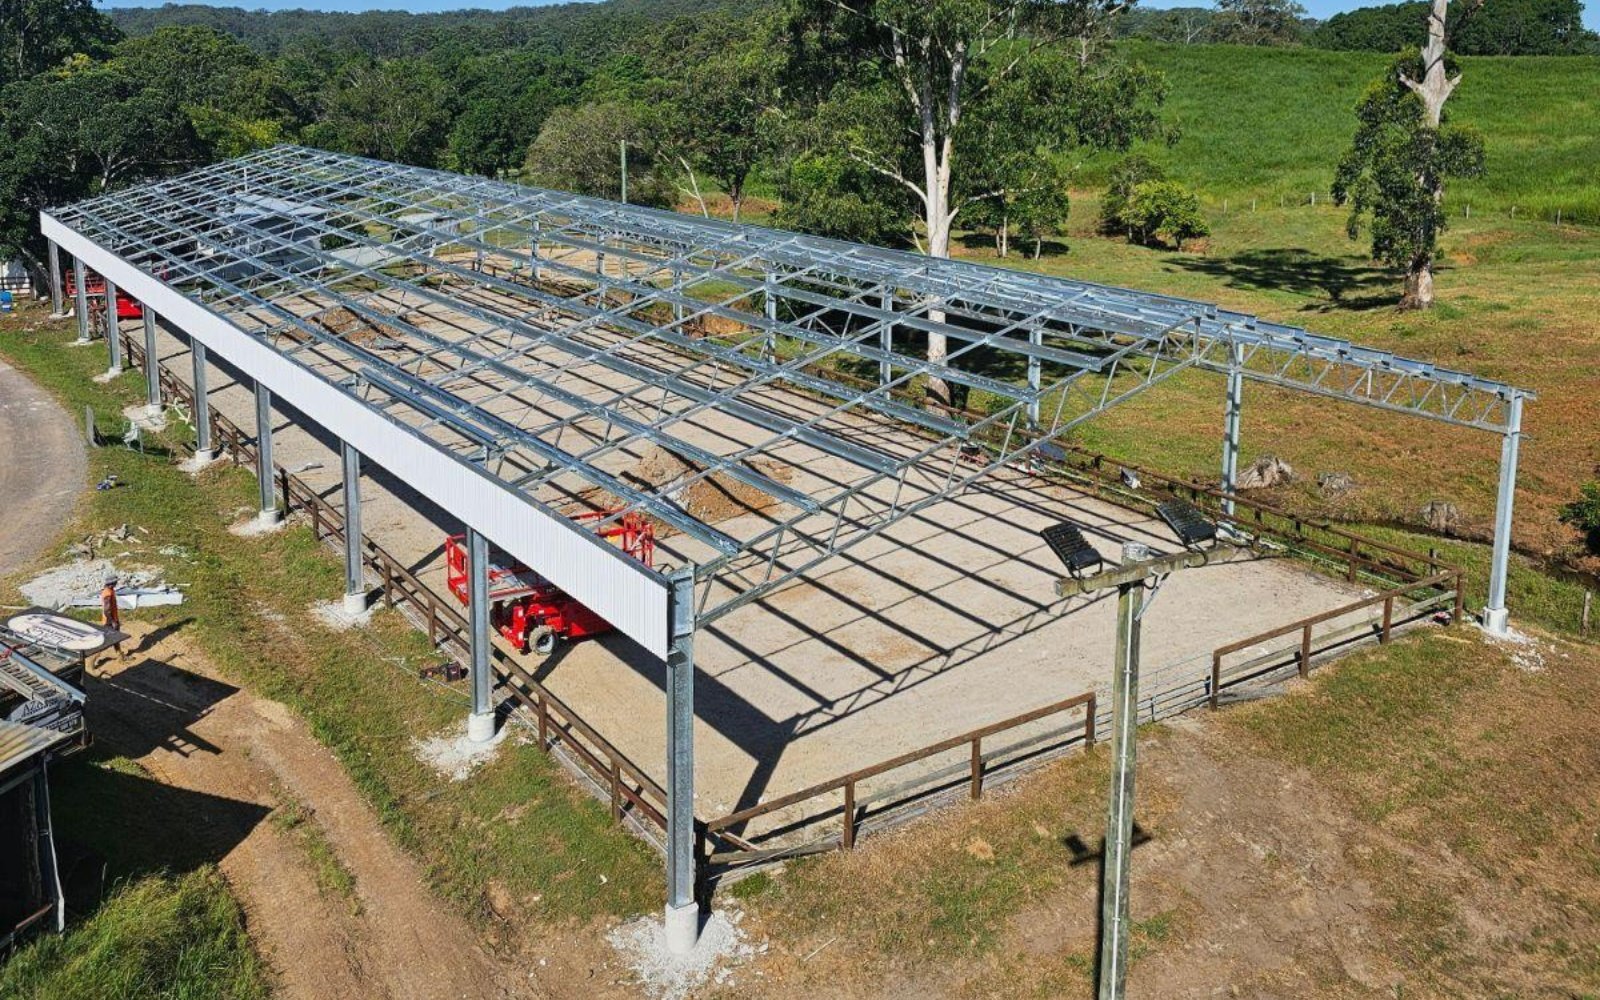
[{"x": 1131, "y": 578}]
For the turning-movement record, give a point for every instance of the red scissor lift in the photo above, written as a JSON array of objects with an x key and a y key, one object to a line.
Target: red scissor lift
[
  {"x": 94, "y": 290},
  {"x": 530, "y": 611}
]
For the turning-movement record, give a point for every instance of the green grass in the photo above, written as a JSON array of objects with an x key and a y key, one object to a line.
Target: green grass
[
  {"x": 156, "y": 938},
  {"x": 520, "y": 820},
  {"x": 1270, "y": 123}
]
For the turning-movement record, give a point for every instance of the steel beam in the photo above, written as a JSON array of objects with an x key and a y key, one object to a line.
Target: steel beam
[
  {"x": 355, "y": 583},
  {"x": 80, "y": 295},
  {"x": 683, "y": 912},
  {"x": 56, "y": 302},
  {"x": 1495, "y": 617},
  {"x": 152, "y": 366},
  {"x": 264, "y": 469},
  {"x": 481, "y": 723},
  {"x": 113, "y": 330},
  {"x": 203, "y": 452}
]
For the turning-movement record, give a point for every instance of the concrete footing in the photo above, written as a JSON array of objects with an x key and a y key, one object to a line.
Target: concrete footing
[
  {"x": 62, "y": 315},
  {"x": 480, "y": 727},
  {"x": 355, "y": 604},
  {"x": 682, "y": 927},
  {"x": 1496, "y": 621},
  {"x": 270, "y": 517}
]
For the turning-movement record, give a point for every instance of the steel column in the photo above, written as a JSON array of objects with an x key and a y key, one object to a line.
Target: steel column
[
  {"x": 1036, "y": 338},
  {"x": 54, "y": 253},
  {"x": 771, "y": 309},
  {"x": 683, "y": 912},
  {"x": 886, "y": 342},
  {"x": 1495, "y": 616},
  {"x": 1114, "y": 912},
  {"x": 1232, "y": 412},
  {"x": 533, "y": 252},
  {"x": 80, "y": 295},
  {"x": 113, "y": 340},
  {"x": 480, "y": 724},
  {"x": 152, "y": 369},
  {"x": 355, "y": 584},
  {"x": 264, "y": 471},
  {"x": 202, "y": 405}
]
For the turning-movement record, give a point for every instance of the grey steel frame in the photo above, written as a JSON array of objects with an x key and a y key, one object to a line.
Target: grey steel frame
[{"x": 374, "y": 239}]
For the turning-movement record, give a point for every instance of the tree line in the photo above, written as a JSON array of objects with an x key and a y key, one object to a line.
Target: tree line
[{"x": 893, "y": 122}]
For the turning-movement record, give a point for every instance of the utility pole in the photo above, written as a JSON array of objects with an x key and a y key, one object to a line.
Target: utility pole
[{"x": 1136, "y": 573}]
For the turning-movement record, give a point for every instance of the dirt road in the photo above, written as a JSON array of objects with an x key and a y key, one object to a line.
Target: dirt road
[
  {"x": 42, "y": 467},
  {"x": 389, "y": 938}
]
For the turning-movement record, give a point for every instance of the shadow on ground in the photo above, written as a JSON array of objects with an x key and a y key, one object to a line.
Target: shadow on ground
[{"x": 1343, "y": 282}]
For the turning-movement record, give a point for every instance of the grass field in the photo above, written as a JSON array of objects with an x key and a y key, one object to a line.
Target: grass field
[{"x": 1272, "y": 123}]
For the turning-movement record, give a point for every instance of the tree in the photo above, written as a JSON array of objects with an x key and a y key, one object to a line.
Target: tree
[
  {"x": 1501, "y": 28},
  {"x": 1393, "y": 176},
  {"x": 1165, "y": 211},
  {"x": 579, "y": 150},
  {"x": 392, "y": 110},
  {"x": 36, "y": 35},
  {"x": 1259, "y": 22},
  {"x": 1584, "y": 514},
  {"x": 1128, "y": 173},
  {"x": 897, "y": 85},
  {"x": 724, "y": 120},
  {"x": 73, "y": 133}
]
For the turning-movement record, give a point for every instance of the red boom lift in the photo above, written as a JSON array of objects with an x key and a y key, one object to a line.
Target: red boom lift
[
  {"x": 530, "y": 611},
  {"x": 95, "y": 289}
]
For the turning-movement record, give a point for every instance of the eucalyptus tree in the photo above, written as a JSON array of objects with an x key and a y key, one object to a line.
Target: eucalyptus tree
[{"x": 900, "y": 88}]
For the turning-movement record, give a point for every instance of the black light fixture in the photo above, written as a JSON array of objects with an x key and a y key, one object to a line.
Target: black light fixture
[
  {"x": 1187, "y": 522},
  {"x": 1067, "y": 542}
]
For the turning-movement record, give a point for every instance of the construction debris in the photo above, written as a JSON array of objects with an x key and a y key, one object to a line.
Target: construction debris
[
  {"x": 1264, "y": 473},
  {"x": 454, "y": 755},
  {"x": 1440, "y": 515},
  {"x": 1335, "y": 484},
  {"x": 77, "y": 585}
]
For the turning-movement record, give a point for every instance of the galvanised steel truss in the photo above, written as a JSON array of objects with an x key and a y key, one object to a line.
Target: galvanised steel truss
[{"x": 551, "y": 338}]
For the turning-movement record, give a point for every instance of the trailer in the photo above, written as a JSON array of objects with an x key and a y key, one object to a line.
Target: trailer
[{"x": 532, "y": 613}]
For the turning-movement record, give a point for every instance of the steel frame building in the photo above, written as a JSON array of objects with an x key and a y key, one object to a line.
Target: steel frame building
[{"x": 506, "y": 350}]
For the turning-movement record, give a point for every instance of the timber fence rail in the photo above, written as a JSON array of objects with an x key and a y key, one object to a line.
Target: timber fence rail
[
  {"x": 855, "y": 809},
  {"x": 1442, "y": 588},
  {"x": 632, "y": 793}
]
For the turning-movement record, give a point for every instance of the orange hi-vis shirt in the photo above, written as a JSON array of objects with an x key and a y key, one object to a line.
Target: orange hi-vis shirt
[{"x": 110, "y": 614}]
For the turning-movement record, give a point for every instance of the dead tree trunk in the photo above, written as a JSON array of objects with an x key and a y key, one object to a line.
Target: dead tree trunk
[{"x": 1432, "y": 90}]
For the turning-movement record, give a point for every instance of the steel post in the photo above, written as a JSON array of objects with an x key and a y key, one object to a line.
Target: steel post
[
  {"x": 886, "y": 342},
  {"x": 264, "y": 471},
  {"x": 683, "y": 912},
  {"x": 80, "y": 295},
  {"x": 533, "y": 252},
  {"x": 480, "y": 724},
  {"x": 1036, "y": 338},
  {"x": 1495, "y": 616},
  {"x": 355, "y": 584},
  {"x": 1232, "y": 411},
  {"x": 152, "y": 369},
  {"x": 113, "y": 340},
  {"x": 1114, "y": 911},
  {"x": 771, "y": 309},
  {"x": 202, "y": 405},
  {"x": 56, "y": 302}
]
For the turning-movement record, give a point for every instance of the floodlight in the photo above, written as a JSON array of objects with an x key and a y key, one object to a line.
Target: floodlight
[
  {"x": 1187, "y": 522},
  {"x": 1067, "y": 542}
]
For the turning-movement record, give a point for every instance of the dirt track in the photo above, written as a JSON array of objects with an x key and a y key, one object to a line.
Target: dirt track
[
  {"x": 164, "y": 707},
  {"x": 42, "y": 467}
]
